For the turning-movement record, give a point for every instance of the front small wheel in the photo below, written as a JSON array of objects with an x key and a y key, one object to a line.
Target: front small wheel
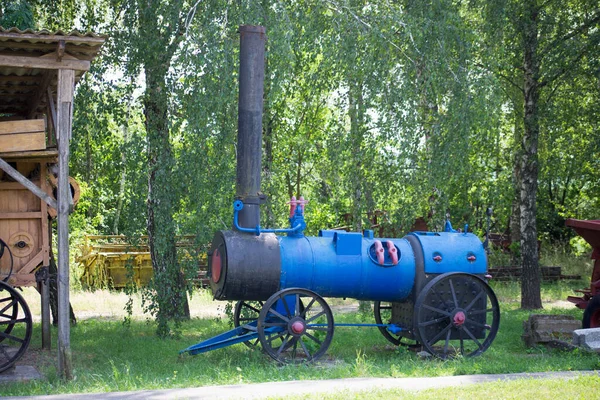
[
  {"x": 291, "y": 333},
  {"x": 245, "y": 315}
]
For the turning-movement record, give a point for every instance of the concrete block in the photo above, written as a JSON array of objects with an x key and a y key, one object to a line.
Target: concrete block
[
  {"x": 543, "y": 329},
  {"x": 588, "y": 339}
]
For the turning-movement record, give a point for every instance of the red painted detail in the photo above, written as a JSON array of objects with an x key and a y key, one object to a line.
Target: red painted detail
[
  {"x": 459, "y": 318},
  {"x": 437, "y": 258},
  {"x": 379, "y": 252},
  {"x": 215, "y": 266},
  {"x": 298, "y": 327},
  {"x": 293, "y": 205},
  {"x": 471, "y": 258},
  {"x": 301, "y": 203},
  {"x": 595, "y": 319},
  {"x": 392, "y": 252}
]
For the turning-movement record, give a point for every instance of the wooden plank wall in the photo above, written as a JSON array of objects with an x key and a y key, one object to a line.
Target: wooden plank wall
[
  {"x": 24, "y": 227},
  {"x": 22, "y": 135}
]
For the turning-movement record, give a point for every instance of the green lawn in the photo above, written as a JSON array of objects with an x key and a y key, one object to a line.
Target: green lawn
[{"x": 108, "y": 356}]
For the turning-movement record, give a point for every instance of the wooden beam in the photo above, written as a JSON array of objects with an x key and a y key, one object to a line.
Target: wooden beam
[
  {"x": 21, "y": 215},
  {"x": 24, "y": 126},
  {"x": 43, "y": 63},
  {"x": 50, "y": 100},
  {"x": 64, "y": 116},
  {"x": 16, "y": 175},
  {"x": 60, "y": 51}
]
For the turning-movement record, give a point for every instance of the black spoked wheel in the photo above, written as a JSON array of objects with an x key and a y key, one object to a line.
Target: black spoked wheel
[
  {"x": 292, "y": 333},
  {"x": 456, "y": 314},
  {"x": 382, "y": 311},
  {"x": 15, "y": 326},
  {"x": 244, "y": 315}
]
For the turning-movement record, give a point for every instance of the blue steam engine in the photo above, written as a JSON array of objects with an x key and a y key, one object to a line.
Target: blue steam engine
[{"x": 429, "y": 288}]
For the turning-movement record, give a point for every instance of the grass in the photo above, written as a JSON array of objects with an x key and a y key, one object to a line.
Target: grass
[{"x": 108, "y": 356}]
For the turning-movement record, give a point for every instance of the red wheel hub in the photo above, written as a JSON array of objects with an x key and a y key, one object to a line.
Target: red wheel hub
[
  {"x": 298, "y": 327},
  {"x": 459, "y": 318},
  {"x": 215, "y": 266}
]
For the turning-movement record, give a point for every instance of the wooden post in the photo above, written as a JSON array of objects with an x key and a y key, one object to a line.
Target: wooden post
[
  {"x": 44, "y": 285},
  {"x": 66, "y": 83}
]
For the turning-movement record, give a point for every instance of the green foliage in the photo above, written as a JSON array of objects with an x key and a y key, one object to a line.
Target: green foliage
[
  {"x": 397, "y": 109},
  {"x": 16, "y": 14}
]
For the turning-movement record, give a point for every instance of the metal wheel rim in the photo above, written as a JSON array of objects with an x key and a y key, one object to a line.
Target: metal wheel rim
[
  {"x": 14, "y": 342},
  {"x": 15, "y": 311},
  {"x": 285, "y": 346},
  {"x": 446, "y": 305},
  {"x": 246, "y": 312}
]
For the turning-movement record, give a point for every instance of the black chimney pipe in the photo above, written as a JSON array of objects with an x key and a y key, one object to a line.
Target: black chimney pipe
[{"x": 250, "y": 111}]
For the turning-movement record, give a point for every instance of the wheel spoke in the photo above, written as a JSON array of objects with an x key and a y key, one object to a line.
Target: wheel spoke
[
  {"x": 472, "y": 303},
  {"x": 269, "y": 324},
  {"x": 440, "y": 334},
  {"x": 475, "y": 323},
  {"x": 7, "y": 336},
  {"x": 274, "y": 312},
  {"x": 473, "y": 338},
  {"x": 276, "y": 336},
  {"x": 247, "y": 305},
  {"x": 433, "y": 321},
  {"x": 453, "y": 293},
  {"x": 312, "y": 301},
  {"x": 478, "y": 312},
  {"x": 297, "y": 306},
  {"x": 314, "y": 339},
  {"x": 315, "y": 317},
  {"x": 308, "y": 355},
  {"x": 447, "y": 341},
  {"x": 8, "y": 306},
  {"x": 438, "y": 310},
  {"x": 287, "y": 308},
  {"x": 283, "y": 343}
]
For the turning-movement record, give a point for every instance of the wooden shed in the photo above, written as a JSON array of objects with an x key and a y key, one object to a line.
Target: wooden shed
[{"x": 38, "y": 74}]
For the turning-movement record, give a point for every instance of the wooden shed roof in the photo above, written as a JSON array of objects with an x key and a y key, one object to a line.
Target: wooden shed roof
[{"x": 29, "y": 61}]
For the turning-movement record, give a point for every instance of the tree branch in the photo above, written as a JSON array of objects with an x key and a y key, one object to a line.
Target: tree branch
[
  {"x": 557, "y": 42},
  {"x": 503, "y": 76}
]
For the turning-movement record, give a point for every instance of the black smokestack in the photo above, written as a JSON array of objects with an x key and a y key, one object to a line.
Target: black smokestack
[{"x": 250, "y": 111}]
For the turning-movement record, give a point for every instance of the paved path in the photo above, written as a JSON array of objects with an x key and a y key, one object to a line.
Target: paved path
[{"x": 299, "y": 388}]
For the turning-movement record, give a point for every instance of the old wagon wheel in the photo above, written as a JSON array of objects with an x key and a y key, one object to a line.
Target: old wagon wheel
[
  {"x": 291, "y": 333},
  {"x": 244, "y": 314},
  {"x": 15, "y": 326},
  {"x": 456, "y": 314},
  {"x": 382, "y": 311}
]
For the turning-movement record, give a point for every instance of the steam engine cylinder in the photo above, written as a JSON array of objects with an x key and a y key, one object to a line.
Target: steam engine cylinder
[{"x": 243, "y": 266}]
